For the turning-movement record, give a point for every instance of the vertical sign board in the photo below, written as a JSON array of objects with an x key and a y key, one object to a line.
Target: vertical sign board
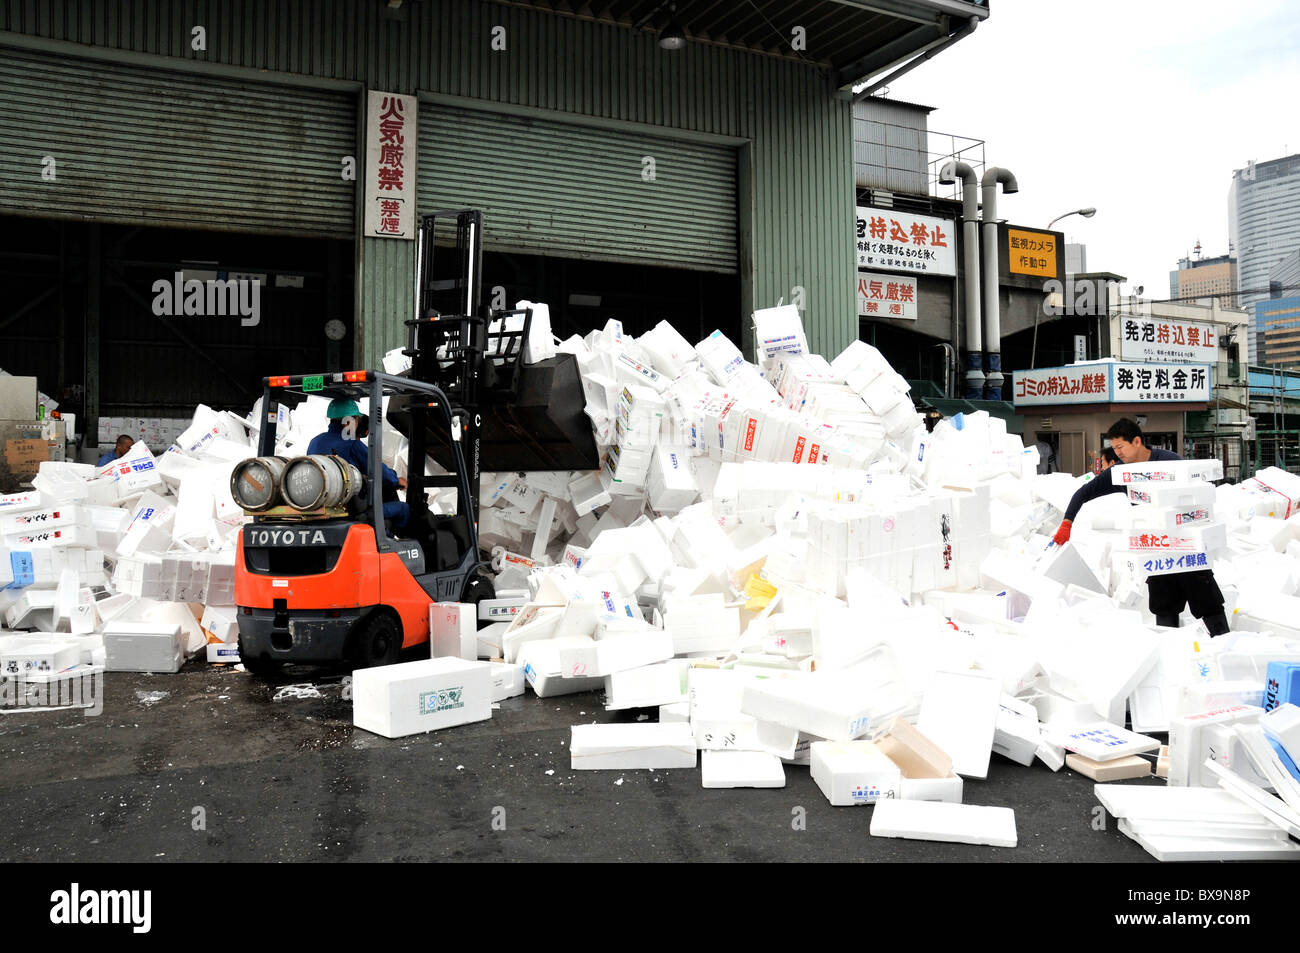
[
  {"x": 886, "y": 296},
  {"x": 390, "y": 165},
  {"x": 900, "y": 241},
  {"x": 1080, "y": 347}
]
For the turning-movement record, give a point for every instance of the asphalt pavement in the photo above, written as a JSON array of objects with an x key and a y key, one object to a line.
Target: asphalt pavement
[{"x": 214, "y": 764}]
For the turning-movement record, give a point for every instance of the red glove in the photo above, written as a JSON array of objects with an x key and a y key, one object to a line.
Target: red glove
[{"x": 1062, "y": 533}]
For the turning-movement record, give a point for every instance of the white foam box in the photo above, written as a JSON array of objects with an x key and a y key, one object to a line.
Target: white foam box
[
  {"x": 648, "y": 745},
  {"x": 952, "y": 823},
  {"x": 24, "y": 502},
  {"x": 502, "y": 608},
  {"x": 532, "y": 624},
  {"x": 37, "y": 655},
  {"x": 220, "y": 622},
  {"x": 540, "y": 662},
  {"x": 453, "y": 630},
  {"x": 837, "y": 706},
  {"x": 1016, "y": 736},
  {"x": 741, "y": 769},
  {"x": 1189, "y": 741},
  {"x": 610, "y": 655},
  {"x": 223, "y": 653},
  {"x": 507, "y": 680},
  {"x": 411, "y": 698},
  {"x": 144, "y": 646},
  {"x": 1166, "y": 471},
  {"x": 650, "y": 686},
  {"x": 1066, "y": 566},
  {"x": 959, "y": 714},
  {"x": 1100, "y": 740},
  {"x": 677, "y": 711},
  {"x": 854, "y": 772},
  {"x": 34, "y": 608}
]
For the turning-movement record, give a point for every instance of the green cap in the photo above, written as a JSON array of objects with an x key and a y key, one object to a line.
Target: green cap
[{"x": 343, "y": 407}]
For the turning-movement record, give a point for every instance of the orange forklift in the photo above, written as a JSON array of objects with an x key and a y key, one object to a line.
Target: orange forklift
[{"x": 320, "y": 575}]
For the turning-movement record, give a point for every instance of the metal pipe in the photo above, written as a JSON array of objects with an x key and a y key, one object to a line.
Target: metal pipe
[
  {"x": 948, "y": 175},
  {"x": 992, "y": 317},
  {"x": 912, "y": 64}
]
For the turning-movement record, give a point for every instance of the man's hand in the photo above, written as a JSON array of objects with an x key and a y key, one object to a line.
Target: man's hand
[
  {"x": 401, "y": 483},
  {"x": 1062, "y": 533}
]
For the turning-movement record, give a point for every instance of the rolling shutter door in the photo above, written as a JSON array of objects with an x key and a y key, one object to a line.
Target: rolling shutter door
[
  {"x": 576, "y": 191},
  {"x": 156, "y": 147}
]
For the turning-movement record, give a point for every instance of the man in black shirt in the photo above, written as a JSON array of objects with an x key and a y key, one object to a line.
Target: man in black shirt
[{"x": 1166, "y": 595}]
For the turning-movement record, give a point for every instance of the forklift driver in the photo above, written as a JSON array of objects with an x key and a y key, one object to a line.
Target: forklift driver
[{"x": 343, "y": 440}]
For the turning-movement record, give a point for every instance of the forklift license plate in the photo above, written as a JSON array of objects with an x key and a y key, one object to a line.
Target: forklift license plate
[{"x": 313, "y": 383}]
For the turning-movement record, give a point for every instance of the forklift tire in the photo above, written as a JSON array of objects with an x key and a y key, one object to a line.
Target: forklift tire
[
  {"x": 261, "y": 667},
  {"x": 376, "y": 641},
  {"x": 477, "y": 588}
]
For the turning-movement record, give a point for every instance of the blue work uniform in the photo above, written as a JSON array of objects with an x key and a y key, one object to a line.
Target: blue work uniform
[
  {"x": 107, "y": 458},
  {"x": 333, "y": 443}
]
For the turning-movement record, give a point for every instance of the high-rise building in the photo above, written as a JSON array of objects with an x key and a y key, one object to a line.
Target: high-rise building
[
  {"x": 1264, "y": 224},
  {"x": 1076, "y": 258},
  {"x": 1205, "y": 278}
]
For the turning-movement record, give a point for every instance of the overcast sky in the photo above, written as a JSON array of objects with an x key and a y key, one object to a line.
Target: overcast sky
[{"x": 1141, "y": 108}]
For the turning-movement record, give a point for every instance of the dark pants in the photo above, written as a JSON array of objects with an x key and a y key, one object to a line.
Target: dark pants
[{"x": 1199, "y": 591}]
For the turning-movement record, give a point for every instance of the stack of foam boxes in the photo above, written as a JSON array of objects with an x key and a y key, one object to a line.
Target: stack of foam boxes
[{"x": 1174, "y": 529}]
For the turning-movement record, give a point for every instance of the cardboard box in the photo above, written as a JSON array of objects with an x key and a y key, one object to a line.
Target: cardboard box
[{"x": 416, "y": 697}]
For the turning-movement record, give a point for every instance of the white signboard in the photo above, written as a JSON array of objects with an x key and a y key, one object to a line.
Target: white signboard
[
  {"x": 1080, "y": 347},
  {"x": 390, "y": 165},
  {"x": 1079, "y": 384},
  {"x": 1112, "y": 383},
  {"x": 886, "y": 296},
  {"x": 1146, "y": 338},
  {"x": 901, "y": 241},
  {"x": 1160, "y": 382}
]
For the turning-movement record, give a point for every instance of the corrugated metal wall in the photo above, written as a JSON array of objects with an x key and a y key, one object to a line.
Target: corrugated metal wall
[
  {"x": 890, "y": 147},
  {"x": 577, "y": 191},
  {"x": 131, "y": 144},
  {"x": 801, "y": 184}
]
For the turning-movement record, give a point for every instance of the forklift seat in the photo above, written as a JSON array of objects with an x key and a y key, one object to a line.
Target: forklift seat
[{"x": 445, "y": 542}]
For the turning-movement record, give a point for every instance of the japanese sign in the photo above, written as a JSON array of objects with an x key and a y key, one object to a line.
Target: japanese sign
[
  {"x": 1112, "y": 383},
  {"x": 1031, "y": 253},
  {"x": 886, "y": 296},
  {"x": 1145, "y": 338},
  {"x": 901, "y": 241},
  {"x": 390, "y": 165},
  {"x": 1080, "y": 384},
  {"x": 1160, "y": 382}
]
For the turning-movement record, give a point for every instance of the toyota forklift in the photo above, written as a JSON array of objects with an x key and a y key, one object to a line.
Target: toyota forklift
[{"x": 330, "y": 580}]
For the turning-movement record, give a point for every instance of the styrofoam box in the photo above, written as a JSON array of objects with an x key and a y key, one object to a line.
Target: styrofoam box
[
  {"x": 1166, "y": 471},
  {"x": 144, "y": 646},
  {"x": 28, "y": 656},
  {"x": 741, "y": 769},
  {"x": 629, "y": 746},
  {"x": 1188, "y": 741},
  {"x": 954, "y": 823},
  {"x": 947, "y": 789},
  {"x": 453, "y": 630},
  {"x": 223, "y": 652},
  {"x": 507, "y": 680},
  {"x": 1101, "y": 741},
  {"x": 854, "y": 772},
  {"x": 411, "y": 698}
]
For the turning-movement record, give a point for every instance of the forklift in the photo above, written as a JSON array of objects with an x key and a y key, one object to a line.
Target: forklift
[{"x": 335, "y": 582}]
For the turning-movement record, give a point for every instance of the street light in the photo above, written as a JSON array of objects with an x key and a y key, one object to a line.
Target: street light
[{"x": 1085, "y": 212}]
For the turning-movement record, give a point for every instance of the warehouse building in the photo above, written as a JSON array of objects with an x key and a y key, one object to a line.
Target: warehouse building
[{"x": 634, "y": 159}]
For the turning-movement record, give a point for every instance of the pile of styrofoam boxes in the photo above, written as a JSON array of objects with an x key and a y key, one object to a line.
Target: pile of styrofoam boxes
[
  {"x": 130, "y": 564},
  {"x": 1173, "y": 527},
  {"x": 152, "y": 431}
]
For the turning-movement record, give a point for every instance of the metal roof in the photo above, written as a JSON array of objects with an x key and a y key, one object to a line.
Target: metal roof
[{"x": 852, "y": 39}]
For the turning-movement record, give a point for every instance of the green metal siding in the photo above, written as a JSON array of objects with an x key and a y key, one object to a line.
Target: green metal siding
[
  {"x": 132, "y": 144},
  {"x": 800, "y": 202},
  {"x": 575, "y": 191}
]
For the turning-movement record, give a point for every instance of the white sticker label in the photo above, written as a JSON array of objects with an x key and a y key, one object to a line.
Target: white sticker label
[{"x": 279, "y": 583}]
